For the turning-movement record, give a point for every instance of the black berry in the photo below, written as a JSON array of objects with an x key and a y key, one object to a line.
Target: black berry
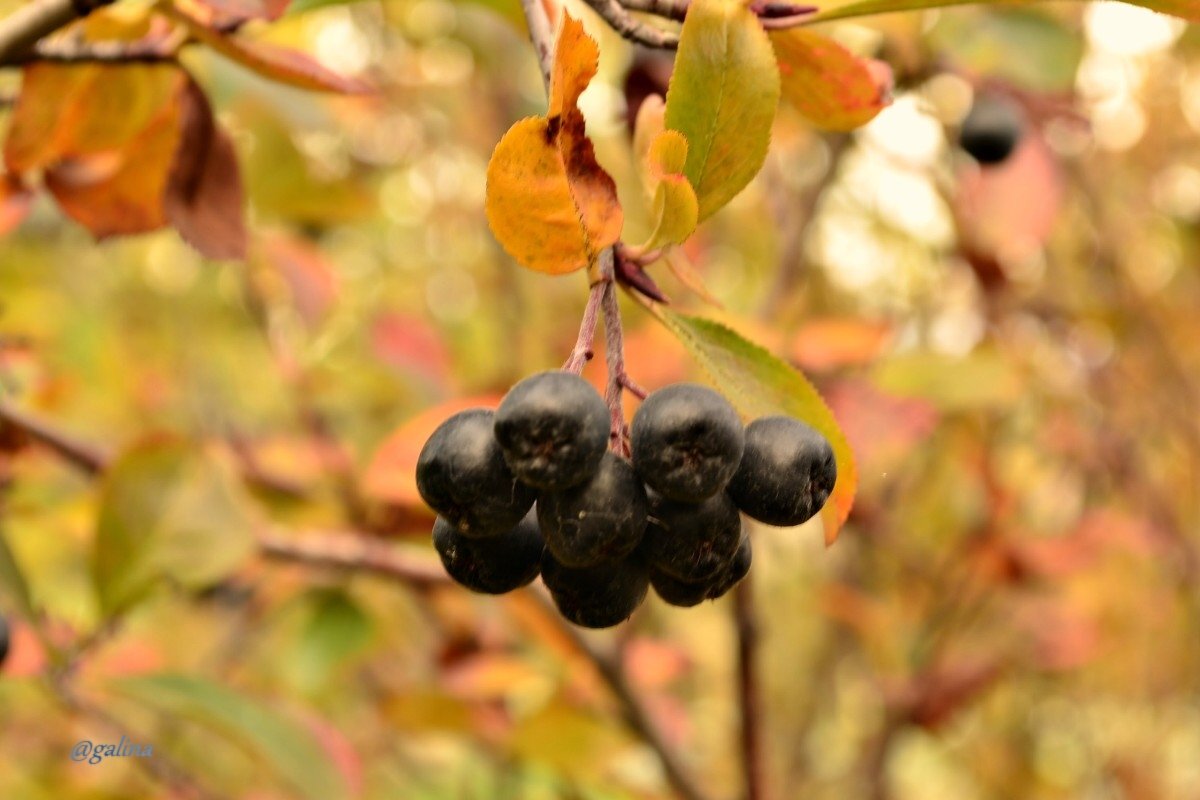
[
  {"x": 494, "y": 565},
  {"x": 692, "y": 542},
  {"x": 597, "y": 597},
  {"x": 733, "y": 574},
  {"x": 553, "y": 428},
  {"x": 462, "y": 475},
  {"x": 687, "y": 441},
  {"x": 3, "y": 640},
  {"x": 601, "y": 520},
  {"x": 991, "y": 129},
  {"x": 786, "y": 474},
  {"x": 685, "y": 595}
]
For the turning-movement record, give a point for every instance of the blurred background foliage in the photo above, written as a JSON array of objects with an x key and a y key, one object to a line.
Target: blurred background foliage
[{"x": 1011, "y": 612}]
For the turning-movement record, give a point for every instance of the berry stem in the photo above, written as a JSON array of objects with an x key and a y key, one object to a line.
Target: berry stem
[{"x": 582, "y": 352}]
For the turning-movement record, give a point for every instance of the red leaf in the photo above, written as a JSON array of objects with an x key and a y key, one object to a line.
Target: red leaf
[
  {"x": 409, "y": 342},
  {"x": 204, "y": 198},
  {"x": 229, "y": 14},
  {"x": 829, "y": 85},
  {"x": 311, "y": 279}
]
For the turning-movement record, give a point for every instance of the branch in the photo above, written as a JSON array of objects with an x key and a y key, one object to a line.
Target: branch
[
  {"x": 634, "y": 712},
  {"x": 21, "y": 30},
  {"x": 667, "y": 9},
  {"x": 753, "y": 756},
  {"x": 82, "y": 455},
  {"x": 411, "y": 566},
  {"x": 619, "y": 19},
  {"x": 541, "y": 33},
  {"x": 582, "y": 352}
]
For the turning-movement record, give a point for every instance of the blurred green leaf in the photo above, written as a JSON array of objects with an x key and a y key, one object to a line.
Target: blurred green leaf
[
  {"x": 985, "y": 379},
  {"x": 335, "y": 628},
  {"x": 167, "y": 510},
  {"x": 985, "y": 42},
  {"x": 760, "y": 384},
  {"x": 288, "y": 748}
]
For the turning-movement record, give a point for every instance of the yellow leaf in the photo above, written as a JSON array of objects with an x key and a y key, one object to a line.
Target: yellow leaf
[
  {"x": 676, "y": 209},
  {"x": 549, "y": 203}
]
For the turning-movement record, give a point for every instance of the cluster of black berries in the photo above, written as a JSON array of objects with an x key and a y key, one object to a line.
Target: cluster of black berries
[{"x": 533, "y": 488}]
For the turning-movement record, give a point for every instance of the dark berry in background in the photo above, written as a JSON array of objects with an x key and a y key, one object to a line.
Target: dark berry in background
[
  {"x": 3, "y": 640},
  {"x": 786, "y": 474},
  {"x": 692, "y": 542},
  {"x": 597, "y": 597},
  {"x": 553, "y": 428},
  {"x": 462, "y": 475},
  {"x": 991, "y": 129},
  {"x": 600, "y": 520},
  {"x": 687, "y": 441},
  {"x": 496, "y": 564}
]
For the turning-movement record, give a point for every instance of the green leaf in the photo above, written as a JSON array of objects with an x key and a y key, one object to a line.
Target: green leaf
[
  {"x": 759, "y": 384},
  {"x": 1186, "y": 9},
  {"x": 335, "y": 628},
  {"x": 722, "y": 98},
  {"x": 167, "y": 510},
  {"x": 1024, "y": 45},
  {"x": 288, "y": 748},
  {"x": 13, "y": 586}
]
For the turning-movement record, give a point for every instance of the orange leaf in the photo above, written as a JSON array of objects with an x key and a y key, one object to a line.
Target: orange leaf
[
  {"x": 204, "y": 198},
  {"x": 549, "y": 203},
  {"x": 69, "y": 110},
  {"x": 120, "y": 192},
  {"x": 829, "y": 85},
  {"x": 391, "y": 475}
]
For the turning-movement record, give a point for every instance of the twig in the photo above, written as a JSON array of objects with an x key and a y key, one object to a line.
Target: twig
[
  {"x": 667, "y": 9},
  {"x": 82, "y": 455},
  {"x": 21, "y": 30},
  {"x": 634, "y": 712},
  {"x": 541, "y": 34},
  {"x": 619, "y": 19},
  {"x": 353, "y": 551},
  {"x": 582, "y": 352},
  {"x": 754, "y": 763}
]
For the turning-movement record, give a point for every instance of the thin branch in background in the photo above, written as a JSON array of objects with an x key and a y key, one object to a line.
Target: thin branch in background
[
  {"x": 80, "y": 454},
  {"x": 667, "y": 9},
  {"x": 634, "y": 712},
  {"x": 412, "y": 566},
  {"x": 754, "y": 764},
  {"x": 21, "y": 30},
  {"x": 620, "y": 20}
]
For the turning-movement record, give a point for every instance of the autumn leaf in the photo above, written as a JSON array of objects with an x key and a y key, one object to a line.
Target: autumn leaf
[
  {"x": 722, "y": 99},
  {"x": 829, "y": 85},
  {"x": 549, "y": 203},
  {"x": 120, "y": 192},
  {"x": 675, "y": 209},
  {"x": 204, "y": 199},
  {"x": 71, "y": 110},
  {"x": 230, "y": 14}
]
